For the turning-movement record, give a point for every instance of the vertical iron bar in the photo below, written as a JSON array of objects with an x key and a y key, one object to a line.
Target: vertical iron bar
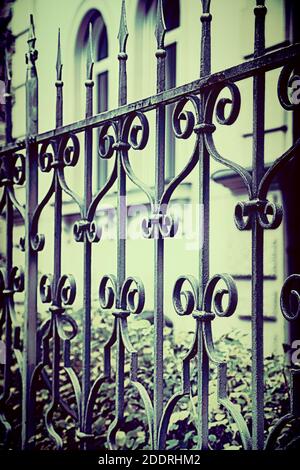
[
  {"x": 159, "y": 241},
  {"x": 58, "y": 191},
  {"x": 57, "y": 228},
  {"x": 87, "y": 249},
  {"x": 29, "y": 348},
  {"x": 121, "y": 222},
  {"x": 120, "y": 373},
  {"x": 8, "y": 102},
  {"x": 121, "y": 207},
  {"x": 258, "y": 237},
  {"x": 204, "y": 204},
  {"x": 203, "y": 391}
]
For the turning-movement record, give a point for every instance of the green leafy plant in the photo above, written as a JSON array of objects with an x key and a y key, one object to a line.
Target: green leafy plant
[{"x": 182, "y": 433}]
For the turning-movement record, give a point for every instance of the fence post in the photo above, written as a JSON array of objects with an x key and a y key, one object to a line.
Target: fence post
[
  {"x": 258, "y": 238},
  {"x": 204, "y": 201},
  {"x": 29, "y": 351},
  {"x": 160, "y": 32}
]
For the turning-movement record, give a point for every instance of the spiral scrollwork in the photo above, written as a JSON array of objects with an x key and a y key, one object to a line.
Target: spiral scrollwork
[
  {"x": 132, "y": 294},
  {"x": 220, "y": 107},
  {"x": 270, "y": 217},
  {"x": 159, "y": 226},
  {"x": 186, "y": 301},
  {"x": 11, "y": 282},
  {"x": 135, "y": 135},
  {"x": 19, "y": 169},
  {"x": 60, "y": 327},
  {"x": 60, "y": 296},
  {"x": 54, "y": 154},
  {"x": 91, "y": 229},
  {"x": 38, "y": 242},
  {"x": 12, "y": 169},
  {"x": 290, "y": 298},
  {"x": 69, "y": 149},
  {"x": 46, "y": 157},
  {"x": 106, "y": 141},
  {"x": 46, "y": 283},
  {"x": 64, "y": 293},
  {"x": 213, "y": 300},
  {"x": 129, "y": 298},
  {"x": 180, "y": 116},
  {"x": 289, "y": 87},
  {"x": 184, "y": 122},
  {"x": 16, "y": 279},
  {"x": 107, "y": 291},
  {"x": 269, "y": 214}
]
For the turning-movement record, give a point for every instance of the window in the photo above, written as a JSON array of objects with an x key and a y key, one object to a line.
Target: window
[
  {"x": 146, "y": 21},
  {"x": 101, "y": 74}
]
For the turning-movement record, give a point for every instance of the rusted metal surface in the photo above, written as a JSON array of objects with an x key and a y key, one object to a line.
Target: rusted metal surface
[{"x": 120, "y": 130}]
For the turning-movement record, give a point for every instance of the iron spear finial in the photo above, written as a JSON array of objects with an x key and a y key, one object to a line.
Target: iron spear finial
[
  {"x": 32, "y": 53},
  {"x": 31, "y": 34},
  {"x": 160, "y": 29},
  {"x": 90, "y": 54},
  {"x": 58, "y": 59},
  {"x": 123, "y": 31},
  {"x": 205, "y": 6}
]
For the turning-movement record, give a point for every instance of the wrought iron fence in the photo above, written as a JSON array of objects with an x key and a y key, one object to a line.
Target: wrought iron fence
[{"x": 53, "y": 151}]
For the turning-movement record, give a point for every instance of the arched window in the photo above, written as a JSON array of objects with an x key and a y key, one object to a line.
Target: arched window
[
  {"x": 146, "y": 20},
  {"x": 101, "y": 73}
]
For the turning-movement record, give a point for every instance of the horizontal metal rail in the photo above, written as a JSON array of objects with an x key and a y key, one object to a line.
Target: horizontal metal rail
[{"x": 265, "y": 63}]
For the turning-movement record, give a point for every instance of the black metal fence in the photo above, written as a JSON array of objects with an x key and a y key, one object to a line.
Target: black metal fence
[{"x": 42, "y": 353}]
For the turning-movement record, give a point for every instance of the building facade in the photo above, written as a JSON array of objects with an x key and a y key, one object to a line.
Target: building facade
[{"x": 233, "y": 38}]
